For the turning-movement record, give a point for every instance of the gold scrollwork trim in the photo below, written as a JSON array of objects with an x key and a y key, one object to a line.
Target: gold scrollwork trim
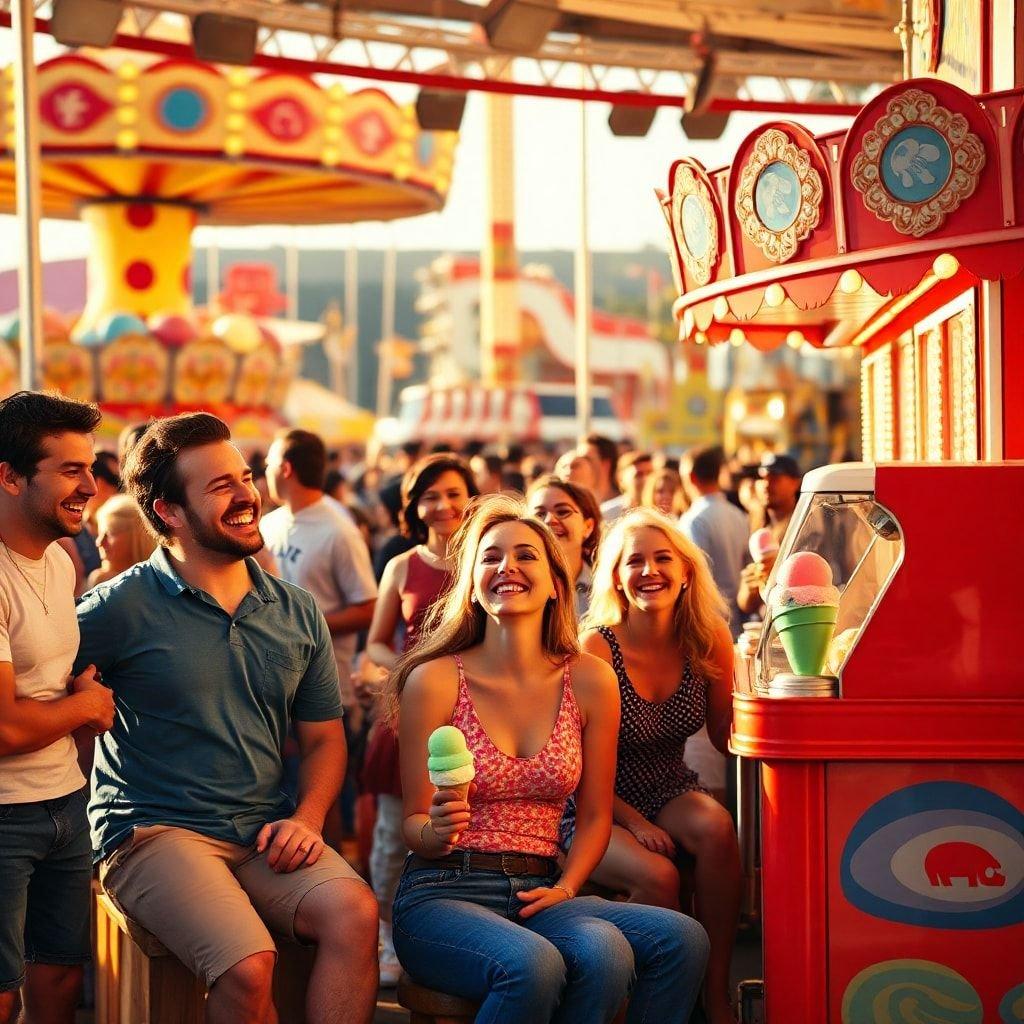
[
  {"x": 701, "y": 266},
  {"x": 915, "y": 106},
  {"x": 771, "y": 147}
]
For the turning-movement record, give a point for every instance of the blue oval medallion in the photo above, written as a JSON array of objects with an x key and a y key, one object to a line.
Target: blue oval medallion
[
  {"x": 777, "y": 196},
  {"x": 938, "y": 855},
  {"x": 182, "y": 109},
  {"x": 695, "y": 226},
  {"x": 916, "y": 164}
]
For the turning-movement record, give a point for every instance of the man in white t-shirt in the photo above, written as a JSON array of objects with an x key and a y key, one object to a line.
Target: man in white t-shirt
[
  {"x": 46, "y": 455},
  {"x": 316, "y": 547}
]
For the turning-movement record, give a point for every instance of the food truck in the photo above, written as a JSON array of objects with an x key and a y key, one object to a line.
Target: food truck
[
  {"x": 890, "y": 770},
  {"x": 892, "y": 777}
]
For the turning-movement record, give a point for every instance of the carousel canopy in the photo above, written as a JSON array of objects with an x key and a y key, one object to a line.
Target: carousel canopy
[
  {"x": 232, "y": 145},
  {"x": 834, "y": 236}
]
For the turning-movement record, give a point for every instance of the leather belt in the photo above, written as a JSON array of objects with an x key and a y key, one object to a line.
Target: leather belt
[{"x": 510, "y": 864}]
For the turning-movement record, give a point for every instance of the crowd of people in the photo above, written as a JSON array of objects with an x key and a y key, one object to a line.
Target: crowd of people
[{"x": 246, "y": 656}]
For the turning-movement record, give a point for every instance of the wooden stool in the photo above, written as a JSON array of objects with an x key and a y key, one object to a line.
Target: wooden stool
[
  {"x": 426, "y": 1006},
  {"x": 139, "y": 979}
]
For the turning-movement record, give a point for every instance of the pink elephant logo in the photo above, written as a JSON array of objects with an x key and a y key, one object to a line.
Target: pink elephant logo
[{"x": 962, "y": 860}]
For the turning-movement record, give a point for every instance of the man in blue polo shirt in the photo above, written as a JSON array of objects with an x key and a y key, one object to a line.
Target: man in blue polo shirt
[{"x": 210, "y": 660}]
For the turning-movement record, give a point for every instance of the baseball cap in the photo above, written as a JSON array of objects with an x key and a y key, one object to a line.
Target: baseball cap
[{"x": 781, "y": 465}]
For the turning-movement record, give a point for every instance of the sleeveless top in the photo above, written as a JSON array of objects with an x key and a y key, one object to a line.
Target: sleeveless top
[
  {"x": 651, "y": 767},
  {"x": 519, "y": 801},
  {"x": 381, "y": 773},
  {"x": 424, "y": 584}
]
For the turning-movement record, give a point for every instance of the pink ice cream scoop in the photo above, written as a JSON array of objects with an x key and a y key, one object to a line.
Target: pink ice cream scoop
[
  {"x": 762, "y": 544},
  {"x": 804, "y": 610},
  {"x": 805, "y": 578},
  {"x": 804, "y": 569}
]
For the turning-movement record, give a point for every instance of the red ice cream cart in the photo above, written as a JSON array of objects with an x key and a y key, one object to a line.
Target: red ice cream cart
[{"x": 893, "y": 810}]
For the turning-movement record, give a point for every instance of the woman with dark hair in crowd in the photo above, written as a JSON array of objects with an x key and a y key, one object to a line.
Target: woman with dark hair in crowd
[
  {"x": 572, "y": 514},
  {"x": 658, "y": 619},
  {"x": 483, "y": 909},
  {"x": 435, "y": 491}
]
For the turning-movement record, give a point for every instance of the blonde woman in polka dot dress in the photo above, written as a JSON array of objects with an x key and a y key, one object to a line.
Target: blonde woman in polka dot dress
[{"x": 657, "y": 618}]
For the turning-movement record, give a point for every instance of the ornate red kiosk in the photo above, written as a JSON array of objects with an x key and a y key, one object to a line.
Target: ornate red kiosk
[{"x": 892, "y": 809}]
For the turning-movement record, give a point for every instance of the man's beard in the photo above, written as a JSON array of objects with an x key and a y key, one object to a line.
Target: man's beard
[
  {"x": 222, "y": 543},
  {"x": 47, "y": 520}
]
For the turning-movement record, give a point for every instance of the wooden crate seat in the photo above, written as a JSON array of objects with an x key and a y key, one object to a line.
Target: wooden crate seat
[{"x": 139, "y": 979}]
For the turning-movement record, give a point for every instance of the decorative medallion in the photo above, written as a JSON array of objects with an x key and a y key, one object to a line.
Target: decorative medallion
[
  {"x": 370, "y": 133},
  {"x": 284, "y": 118},
  {"x": 779, "y": 199},
  {"x": 72, "y": 106},
  {"x": 918, "y": 164},
  {"x": 183, "y": 109},
  {"x": 696, "y": 224}
]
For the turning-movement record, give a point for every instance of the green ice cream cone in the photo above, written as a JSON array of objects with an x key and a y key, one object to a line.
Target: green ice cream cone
[{"x": 805, "y": 632}]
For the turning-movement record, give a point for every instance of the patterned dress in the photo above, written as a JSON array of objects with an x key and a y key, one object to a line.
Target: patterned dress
[{"x": 652, "y": 767}]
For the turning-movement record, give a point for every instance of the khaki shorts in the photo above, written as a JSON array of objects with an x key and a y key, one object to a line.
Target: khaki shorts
[{"x": 210, "y": 902}]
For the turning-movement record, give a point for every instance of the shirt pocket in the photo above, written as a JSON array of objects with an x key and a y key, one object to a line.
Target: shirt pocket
[{"x": 282, "y": 673}]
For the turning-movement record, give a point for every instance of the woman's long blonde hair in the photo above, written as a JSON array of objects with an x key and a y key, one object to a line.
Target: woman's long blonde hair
[
  {"x": 457, "y": 622},
  {"x": 700, "y": 608},
  {"x": 125, "y": 510}
]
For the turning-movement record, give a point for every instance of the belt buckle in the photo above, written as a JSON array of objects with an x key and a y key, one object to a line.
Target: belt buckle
[{"x": 514, "y": 864}]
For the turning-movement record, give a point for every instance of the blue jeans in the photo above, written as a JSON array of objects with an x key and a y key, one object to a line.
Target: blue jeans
[
  {"x": 45, "y": 874},
  {"x": 459, "y": 931}
]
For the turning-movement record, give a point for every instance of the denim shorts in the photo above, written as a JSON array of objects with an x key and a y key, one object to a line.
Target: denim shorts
[{"x": 45, "y": 879}]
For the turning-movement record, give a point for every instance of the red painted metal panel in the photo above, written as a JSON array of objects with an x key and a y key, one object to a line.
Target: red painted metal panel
[
  {"x": 941, "y": 630},
  {"x": 794, "y": 910},
  {"x": 1013, "y": 370}
]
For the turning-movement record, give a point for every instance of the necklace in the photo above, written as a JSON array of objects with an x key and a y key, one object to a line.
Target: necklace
[{"x": 31, "y": 586}]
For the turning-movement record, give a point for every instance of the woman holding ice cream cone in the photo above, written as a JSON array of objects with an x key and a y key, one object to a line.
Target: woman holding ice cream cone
[
  {"x": 483, "y": 909},
  {"x": 657, "y": 618}
]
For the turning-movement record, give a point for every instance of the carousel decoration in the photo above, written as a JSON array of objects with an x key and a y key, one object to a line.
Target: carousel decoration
[
  {"x": 918, "y": 164},
  {"x": 145, "y": 152},
  {"x": 696, "y": 223},
  {"x": 779, "y": 199}
]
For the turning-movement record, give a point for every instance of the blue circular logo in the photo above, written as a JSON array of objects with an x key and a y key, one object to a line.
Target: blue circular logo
[
  {"x": 777, "y": 196},
  {"x": 695, "y": 226},
  {"x": 182, "y": 109},
  {"x": 938, "y": 855},
  {"x": 916, "y": 164}
]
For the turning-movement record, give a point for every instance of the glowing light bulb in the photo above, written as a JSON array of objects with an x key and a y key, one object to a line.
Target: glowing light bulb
[
  {"x": 776, "y": 408},
  {"x": 946, "y": 265},
  {"x": 774, "y": 295},
  {"x": 721, "y": 308},
  {"x": 795, "y": 339},
  {"x": 851, "y": 282},
  {"x": 736, "y": 337}
]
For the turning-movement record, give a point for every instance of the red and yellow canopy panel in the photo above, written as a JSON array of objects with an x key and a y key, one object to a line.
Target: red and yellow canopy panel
[
  {"x": 924, "y": 190},
  {"x": 237, "y": 146}
]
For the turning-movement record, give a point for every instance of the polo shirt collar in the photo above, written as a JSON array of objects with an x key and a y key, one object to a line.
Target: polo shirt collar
[{"x": 174, "y": 585}]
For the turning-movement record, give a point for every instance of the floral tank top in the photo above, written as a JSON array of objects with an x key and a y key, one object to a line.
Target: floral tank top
[{"x": 519, "y": 801}]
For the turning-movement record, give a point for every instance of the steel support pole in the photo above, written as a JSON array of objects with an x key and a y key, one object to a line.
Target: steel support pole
[
  {"x": 351, "y": 318},
  {"x": 212, "y": 272},
  {"x": 387, "y": 332},
  {"x": 582, "y": 286},
  {"x": 26, "y": 170}
]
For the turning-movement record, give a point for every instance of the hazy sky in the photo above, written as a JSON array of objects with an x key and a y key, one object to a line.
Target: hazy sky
[{"x": 622, "y": 176}]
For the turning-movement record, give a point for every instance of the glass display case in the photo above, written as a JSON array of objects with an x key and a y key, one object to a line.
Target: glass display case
[{"x": 862, "y": 543}]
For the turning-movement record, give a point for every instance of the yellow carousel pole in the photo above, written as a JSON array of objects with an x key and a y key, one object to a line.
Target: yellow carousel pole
[{"x": 26, "y": 170}]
